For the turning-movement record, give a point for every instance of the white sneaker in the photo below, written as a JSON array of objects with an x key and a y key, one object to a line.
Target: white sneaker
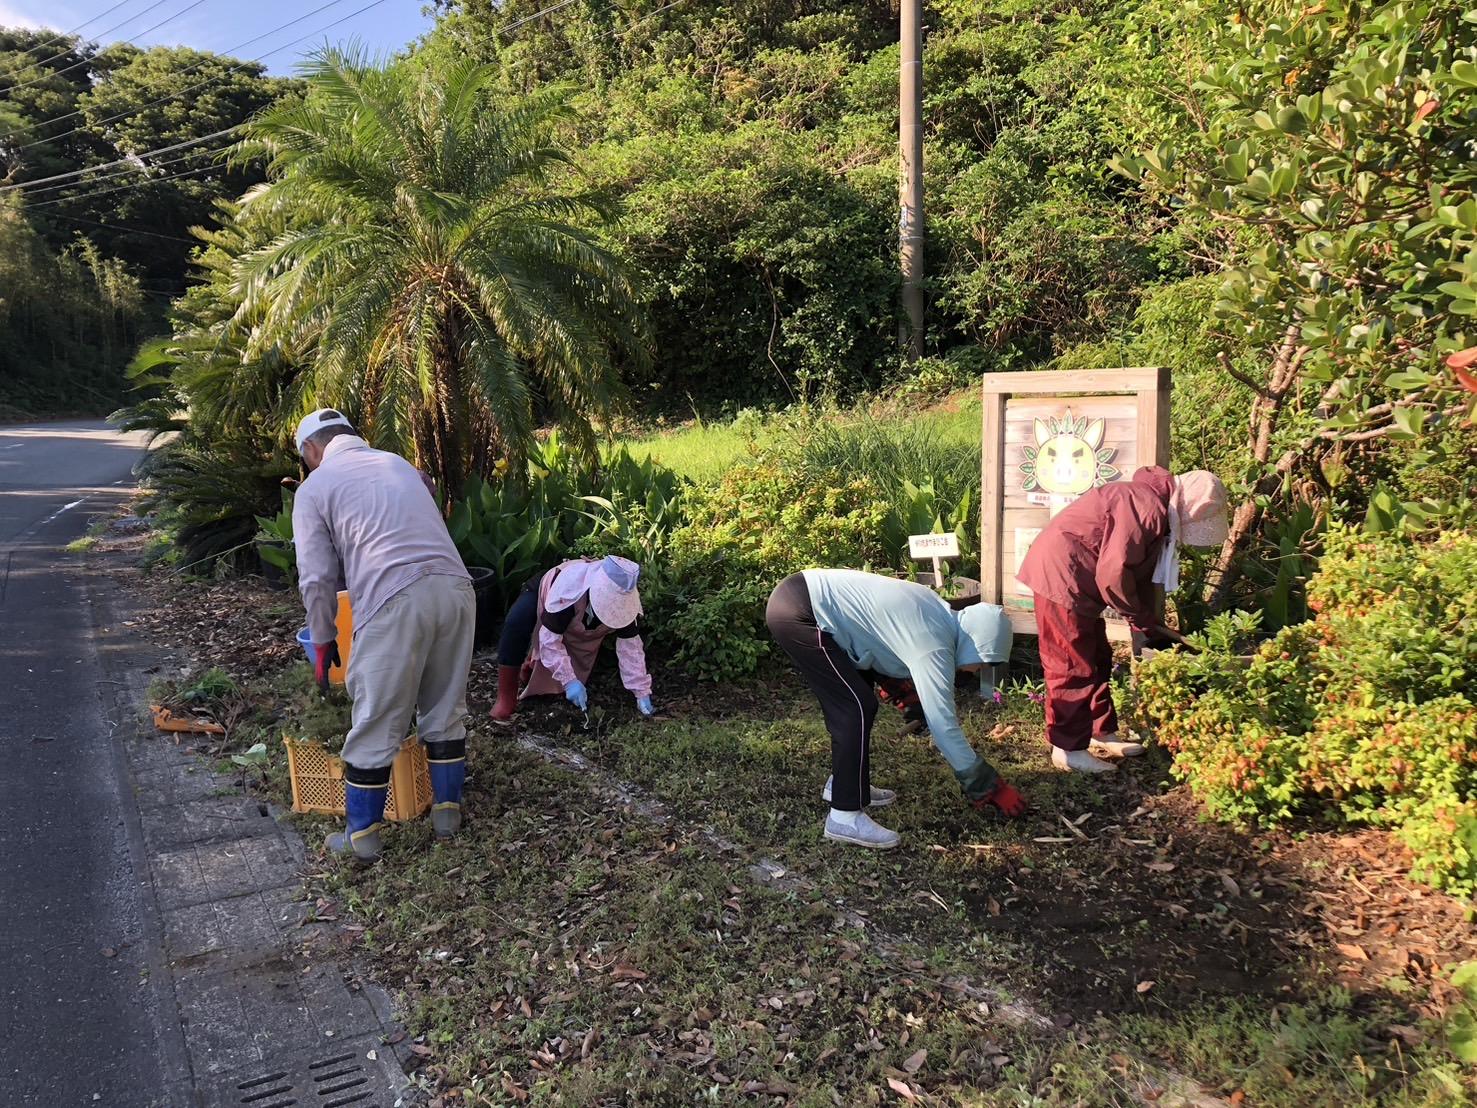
[
  {"x": 881, "y": 798},
  {"x": 1116, "y": 746},
  {"x": 865, "y": 832},
  {"x": 1079, "y": 761}
]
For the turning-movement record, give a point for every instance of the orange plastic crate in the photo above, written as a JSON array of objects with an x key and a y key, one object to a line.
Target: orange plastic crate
[{"x": 318, "y": 779}]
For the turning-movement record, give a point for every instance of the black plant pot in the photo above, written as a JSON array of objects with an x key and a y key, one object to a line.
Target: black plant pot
[{"x": 484, "y": 581}]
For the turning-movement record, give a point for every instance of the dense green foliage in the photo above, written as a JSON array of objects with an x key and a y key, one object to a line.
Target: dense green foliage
[
  {"x": 756, "y": 154},
  {"x": 562, "y": 506},
  {"x": 68, "y": 323},
  {"x": 1363, "y": 714},
  {"x": 1339, "y": 140},
  {"x": 91, "y": 261}
]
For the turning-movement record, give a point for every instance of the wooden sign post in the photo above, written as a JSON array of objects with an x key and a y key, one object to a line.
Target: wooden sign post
[{"x": 1048, "y": 438}]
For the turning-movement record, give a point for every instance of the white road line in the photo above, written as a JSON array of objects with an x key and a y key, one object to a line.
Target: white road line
[{"x": 59, "y": 511}]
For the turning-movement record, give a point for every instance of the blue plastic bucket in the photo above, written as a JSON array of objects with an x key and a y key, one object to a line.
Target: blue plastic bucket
[{"x": 305, "y": 640}]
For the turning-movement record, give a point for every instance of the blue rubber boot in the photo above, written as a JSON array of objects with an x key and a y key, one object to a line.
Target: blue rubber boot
[
  {"x": 448, "y": 761},
  {"x": 365, "y": 792}
]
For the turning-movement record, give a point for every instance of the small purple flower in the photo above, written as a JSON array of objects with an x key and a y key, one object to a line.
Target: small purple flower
[
  {"x": 1037, "y": 698},
  {"x": 999, "y": 697}
]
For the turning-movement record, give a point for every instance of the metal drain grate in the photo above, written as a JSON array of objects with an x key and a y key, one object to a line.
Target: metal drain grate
[{"x": 340, "y": 1080}]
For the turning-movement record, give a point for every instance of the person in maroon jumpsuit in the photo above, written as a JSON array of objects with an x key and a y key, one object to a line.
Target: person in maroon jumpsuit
[{"x": 1108, "y": 549}]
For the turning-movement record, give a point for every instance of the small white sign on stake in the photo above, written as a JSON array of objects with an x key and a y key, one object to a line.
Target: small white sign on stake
[{"x": 934, "y": 546}]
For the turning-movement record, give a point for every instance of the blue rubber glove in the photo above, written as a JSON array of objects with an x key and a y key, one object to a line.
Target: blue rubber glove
[
  {"x": 575, "y": 693},
  {"x": 643, "y": 705}
]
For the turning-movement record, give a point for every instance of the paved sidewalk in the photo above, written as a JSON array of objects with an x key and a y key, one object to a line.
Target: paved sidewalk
[{"x": 268, "y": 1020}]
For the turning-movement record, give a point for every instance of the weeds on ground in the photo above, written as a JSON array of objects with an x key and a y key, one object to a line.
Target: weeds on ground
[{"x": 568, "y": 949}]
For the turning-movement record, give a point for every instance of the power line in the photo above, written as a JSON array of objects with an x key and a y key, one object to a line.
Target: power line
[
  {"x": 88, "y": 61},
  {"x": 208, "y": 80},
  {"x": 125, "y": 172},
  {"x": 120, "y": 188},
  {"x": 124, "y": 230},
  {"x": 122, "y": 161},
  {"x": 187, "y": 69},
  {"x": 130, "y": 161},
  {"x": 241, "y": 46},
  {"x": 68, "y": 34},
  {"x": 513, "y": 26},
  {"x": 623, "y": 33}
]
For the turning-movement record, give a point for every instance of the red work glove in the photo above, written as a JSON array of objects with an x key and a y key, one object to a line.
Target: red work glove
[
  {"x": 327, "y": 655},
  {"x": 902, "y": 695},
  {"x": 1004, "y": 797}
]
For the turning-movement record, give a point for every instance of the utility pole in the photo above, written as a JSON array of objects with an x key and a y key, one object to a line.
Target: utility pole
[{"x": 910, "y": 177}]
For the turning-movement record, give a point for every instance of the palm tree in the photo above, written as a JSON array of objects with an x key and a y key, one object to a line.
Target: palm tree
[{"x": 436, "y": 261}]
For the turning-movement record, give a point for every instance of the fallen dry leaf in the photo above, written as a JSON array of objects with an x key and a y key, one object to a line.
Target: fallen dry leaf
[
  {"x": 592, "y": 1036},
  {"x": 514, "y": 1090},
  {"x": 902, "y": 1088},
  {"x": 1352, "y": 950},
  {"x": 1159, "y": 867},
  {"x": 915, "y": 1061},
  {"x": 623, "y": 972},
  {"x": 1143, "y": 986}
]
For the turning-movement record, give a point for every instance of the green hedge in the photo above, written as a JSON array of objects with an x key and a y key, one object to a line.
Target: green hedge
[{"x": 1364, "y": 715}]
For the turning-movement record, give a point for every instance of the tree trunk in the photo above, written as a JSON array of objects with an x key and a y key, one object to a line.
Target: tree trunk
[{"x": 1266, "y": 412}]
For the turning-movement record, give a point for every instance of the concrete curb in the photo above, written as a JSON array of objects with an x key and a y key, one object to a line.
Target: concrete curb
[{"x": 252, "y": 1009}]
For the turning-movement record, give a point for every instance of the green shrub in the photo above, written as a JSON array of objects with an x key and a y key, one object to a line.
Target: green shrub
[
  {"x": 210, "y": 496},
  {"x": 760, "y": 523},
  {"x": 562, "y": 508},
  {"x": 926, "y": 482},
  {"x": 1361, "y": 716}
]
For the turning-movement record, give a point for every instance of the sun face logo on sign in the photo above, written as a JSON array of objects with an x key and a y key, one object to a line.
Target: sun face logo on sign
[{"x": 1068, "y": 459}]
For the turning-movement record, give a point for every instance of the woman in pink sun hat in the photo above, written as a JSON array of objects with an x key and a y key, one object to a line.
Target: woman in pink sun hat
[
  {"x": 1109, "y": 549},
  {"x": 553, "y": 633}
]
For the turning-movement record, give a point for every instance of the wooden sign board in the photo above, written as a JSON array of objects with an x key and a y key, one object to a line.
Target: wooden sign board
[
  {"x": 945, "y": 545},
  {"x": 1048, "y": 438}
]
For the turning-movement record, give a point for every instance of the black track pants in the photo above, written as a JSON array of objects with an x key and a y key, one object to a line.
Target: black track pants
[{"x": 847, "y": 700}]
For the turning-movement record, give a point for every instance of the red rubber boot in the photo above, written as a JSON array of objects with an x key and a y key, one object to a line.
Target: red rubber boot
[{"x": 507, "y": 695}]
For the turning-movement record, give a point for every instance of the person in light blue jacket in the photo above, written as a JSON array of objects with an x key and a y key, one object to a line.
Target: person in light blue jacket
[{"x": 840, "y": 625}]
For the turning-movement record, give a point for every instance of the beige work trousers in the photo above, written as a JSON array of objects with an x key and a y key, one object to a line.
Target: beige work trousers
[{"x": 411, "y": 661}]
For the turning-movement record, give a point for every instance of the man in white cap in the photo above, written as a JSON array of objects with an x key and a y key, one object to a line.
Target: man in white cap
[
  {"x": 554, "y": 630},
  {"x": 367, "y": 517}
]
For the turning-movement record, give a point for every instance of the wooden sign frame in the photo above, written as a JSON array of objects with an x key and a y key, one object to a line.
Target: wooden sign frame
[{"x": 1149, "y": 387}]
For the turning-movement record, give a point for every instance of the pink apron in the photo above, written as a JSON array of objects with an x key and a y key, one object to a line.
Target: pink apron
[{"x": 581, "y": 642}]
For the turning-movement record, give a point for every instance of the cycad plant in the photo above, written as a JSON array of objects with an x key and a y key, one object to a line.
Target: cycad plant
[{"x": 440, "y": 261}]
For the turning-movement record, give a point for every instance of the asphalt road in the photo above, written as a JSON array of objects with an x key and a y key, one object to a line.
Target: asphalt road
[{"x": 78, "y": 1019}]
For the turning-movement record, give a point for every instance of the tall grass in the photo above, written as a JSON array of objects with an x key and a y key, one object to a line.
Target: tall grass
[
  {"x": 889, "y": 454},
  {"x": 703, "y": 452}
]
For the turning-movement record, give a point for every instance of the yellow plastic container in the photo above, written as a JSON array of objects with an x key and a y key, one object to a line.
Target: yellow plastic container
[
  {"x": 318, "y": 779},
  {"x": 344, "y": 621}
]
